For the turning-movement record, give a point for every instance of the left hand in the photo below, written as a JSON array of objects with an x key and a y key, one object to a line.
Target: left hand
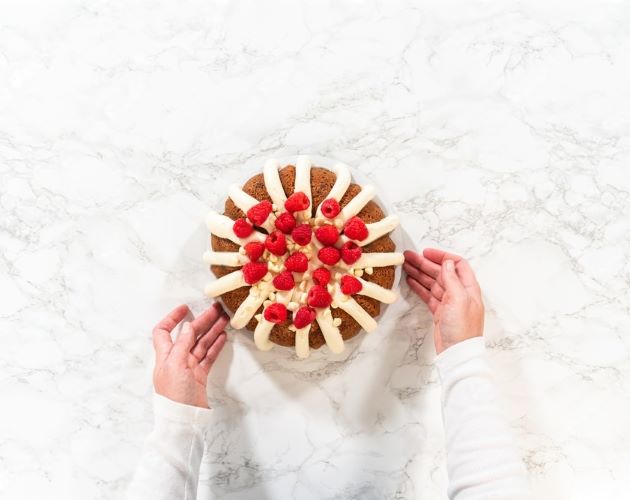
[{"x": 182, "y": 367}]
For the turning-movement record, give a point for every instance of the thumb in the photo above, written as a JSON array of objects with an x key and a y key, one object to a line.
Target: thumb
[{"x": 451, "y": 281}]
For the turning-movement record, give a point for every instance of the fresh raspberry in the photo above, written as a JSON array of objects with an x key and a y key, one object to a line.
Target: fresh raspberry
[
  {"x": 242, "y": 228},
  {"x": 258, "y": 213},
  {"x": 303, "y": 316},
  {"x": 297, "y": 202},
  {"x": 284, "y": 281},
  {"x": 275, "y": 313},
  {"x": 296, "y": 262},
  {"x": 318, "y": 296},
  {"x": 355, "y": 229},
  {"x": 328, "y": 235},
  {"x": 302, "y": 234},
  {"x": 285, "y": 222},
  {"x": 254, "y": 250},
  {"x": 321, "y": 276},
  {"x": 253, "y": 272},
  {"x": 329, "y": 255},
  {"x": 350, "y": 285},
  {"x": 330, "y": 208},
  {"x": 276, "y": 243},
  {"x": 350, "y": 252}
]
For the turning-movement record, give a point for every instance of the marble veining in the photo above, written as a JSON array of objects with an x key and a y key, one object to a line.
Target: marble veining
[{"x": 499, "y": 130}]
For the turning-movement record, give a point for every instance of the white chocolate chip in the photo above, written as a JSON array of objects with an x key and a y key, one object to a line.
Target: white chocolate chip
[
  {"x": 336, "y": 321},
  {"x": 292, "y": 328},
  {"x": 338, "y": 223},
  {"x": 267, "y": 303},
  {"x": 306, "y": 275},
  {"x": 241, "y": 250},
  {"x": 258, "y": 317},
  {"x": 303, "y": 298},
  {"x": 272, "y": 296},
  {"x": 358, "y": 272},
  {"x": 338, "y": 276},
  {"x": 293, "y": 306},
  {"x": 369, "y": 270},
  {"x": 267, "y": 277},
  {"x": 330, "y": 288},
  {"x": 273, "y": 258}
]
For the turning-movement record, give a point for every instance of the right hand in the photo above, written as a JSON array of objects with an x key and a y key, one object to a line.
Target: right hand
[
  {"x": 182, "y": 367},
  {"x": 447, "y": 284}
]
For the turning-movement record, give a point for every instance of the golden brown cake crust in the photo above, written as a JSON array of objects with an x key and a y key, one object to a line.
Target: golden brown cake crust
[{"x": 322, "y": 181}]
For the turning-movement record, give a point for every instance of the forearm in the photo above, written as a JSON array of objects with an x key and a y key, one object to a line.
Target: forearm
[
  {"x": 482, "y": 461},
  {"x": 169, "y": 466}
]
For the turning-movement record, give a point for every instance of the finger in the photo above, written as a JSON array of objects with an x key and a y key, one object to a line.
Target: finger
[
  {"x": 162, "y": 341},
  {"x": 431, "y": 268},
  {"x": 412, "y": 258},
  {"x": 213, "y": 352},
  {"x": 452, "y": 284},
  {"x": 206, "y": 319},
  {"x": 466, "y": 275},
  {"x": 184, "y": 342},
  {"x": 415, "y": 273},
  {"x": 204, "y": 342},
  {"x": 437, "y": 291},
  {"x": 425, "y": 265},
  {"x": 424, "y": 279},
  {"x": 424, "y": 294},
  {"x": 438, "y": 256}
]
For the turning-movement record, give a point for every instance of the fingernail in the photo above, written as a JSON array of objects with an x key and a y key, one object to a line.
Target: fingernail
[{"x": 449, "y": 265}]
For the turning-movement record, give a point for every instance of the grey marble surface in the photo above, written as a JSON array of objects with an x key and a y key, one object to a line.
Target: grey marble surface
[{"x": 499, "y": 130}]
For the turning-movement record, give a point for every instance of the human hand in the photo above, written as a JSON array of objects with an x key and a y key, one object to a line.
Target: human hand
[
  {"x": 182, "y": 367},
  {"x": 447, "y": 284}
]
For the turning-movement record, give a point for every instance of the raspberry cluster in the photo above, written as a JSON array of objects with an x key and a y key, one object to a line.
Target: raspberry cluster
[{"x": 285, "y": 255}]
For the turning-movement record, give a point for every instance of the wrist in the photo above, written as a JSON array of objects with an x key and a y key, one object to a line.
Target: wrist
[
  {"x": 166, "y": 408},
  {"x": 460, "y": 352}
]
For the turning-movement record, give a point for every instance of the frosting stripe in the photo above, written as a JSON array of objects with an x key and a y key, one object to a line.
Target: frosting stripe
[
  {"x": 351, "y": 306},
  {"x": 230, "y": 259},
  {"x": 249, "y": 306},
  {"x": 261, "y": 335},
  {"x": 245, "y": 201},
  {"x": 225, "y": 284},
  {"x": 340, "y": 187},
  {"x": 273, "y": 184},
  {"x": 355, "y": 205},
  {"x": 302, "y": 348},
  {"x": 264, "y": 327},
  {"x": 303, "y": 183},
  {"x": 379, "y": 259},
  {"x": 376, "y": 230},
  {"x": 331, "y": 333},
  {"x": 221, "y": 226},
  {"x": 377, "y": 292}
]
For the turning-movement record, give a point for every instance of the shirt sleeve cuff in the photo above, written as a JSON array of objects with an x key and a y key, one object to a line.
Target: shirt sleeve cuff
[
  {"x": 460, "y": 353},
  {"x": 167, "y": 409}
]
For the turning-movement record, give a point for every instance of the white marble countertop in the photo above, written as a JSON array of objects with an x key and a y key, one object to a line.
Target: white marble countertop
[{"x": 500, "y": 130}]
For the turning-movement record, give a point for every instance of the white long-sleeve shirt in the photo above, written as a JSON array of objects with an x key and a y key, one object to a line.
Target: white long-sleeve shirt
[
  {"x": 169, "y": 466},
  {"x": 481, "y": 459},
  {"x": 482, "y": 462}
]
